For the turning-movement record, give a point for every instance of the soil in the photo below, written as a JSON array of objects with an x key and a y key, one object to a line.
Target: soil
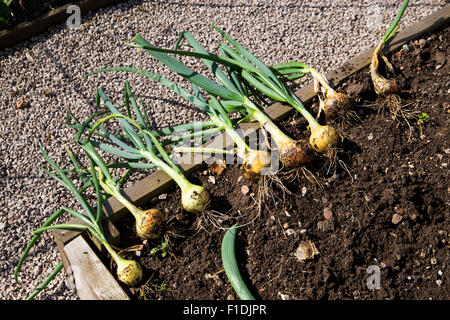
[{"x": 388, "y": 209}]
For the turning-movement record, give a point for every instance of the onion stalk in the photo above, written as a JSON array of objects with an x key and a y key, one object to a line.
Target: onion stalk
[
  {"x": 149, "y": 223},
  {"x": 383, "y": 86},
  {"x": 236, "y": 98},
  {"x": 194, "y": 198},
  {"x": 231, "y": 267},
  {"x": 128, "y": 271}
]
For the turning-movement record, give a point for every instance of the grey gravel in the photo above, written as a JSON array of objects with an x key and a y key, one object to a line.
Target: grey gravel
[{"x": 46, "y": 73}]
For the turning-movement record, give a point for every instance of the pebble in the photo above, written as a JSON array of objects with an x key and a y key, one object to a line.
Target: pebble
[
  {"x": 162, "y": 196},
  {"x": 101, "y": 44},
  {"x": 212, "y": 179},
  {"x": 245, "y": 190},
  {"x": 328, "y": 213}
]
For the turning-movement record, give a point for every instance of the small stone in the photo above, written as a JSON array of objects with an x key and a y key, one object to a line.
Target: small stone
[
  {"x": 284, "y": 296},
  {"x": 286, "y": 225},
  {"x": 245, "y": 190},
  {"x": 138, "y": 253},
  {"x": 440, "y": 273},
  {"x": 396, "y": 218},
  {"x": 433, "y": 261},
  {"x": 422, "y": 43},
  {"x": 439, "y": 282},
  {"x": 287, "y": 214},
  {"x": 405, "y": 47},
  {"x": 2, "y": 225},
  {"x": 230, "y": 297},
  {"x": 205, "y": 172},
  {"x": 327, "y": 213},
  {"x": 370, "y": 136},
  {"x": 162, "y": 196},
  {"x": 212, "y": 179}
]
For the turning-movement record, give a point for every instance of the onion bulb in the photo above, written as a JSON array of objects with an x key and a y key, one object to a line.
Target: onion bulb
[
  {"x": 194, "y": 198},
  {"x": 128, "y": 271},
  {"x": 295, "y": 153},
  {"x": 323, "y": 138},
  {"x": 255, "y": 162},
  {"x": 150, "y": 224}
]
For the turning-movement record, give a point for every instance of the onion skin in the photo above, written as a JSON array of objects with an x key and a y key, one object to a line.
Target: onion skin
[
  {"x": 383, "y": 86},
  {"x": 337, "y": 105},
  {"x": 255, "y": 162},
  {"x": 151, "y": 224},
  {"x": 323, "y": 138},
  {"x": 129, "y": 272},
  {"x": 295, "y": 154},
  {"x": 195, "y": 199}
]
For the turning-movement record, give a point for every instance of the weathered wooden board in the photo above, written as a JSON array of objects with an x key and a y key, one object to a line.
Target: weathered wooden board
[
  {"x": 158, "y": 182},
  {"x": 93, "y": 280}
]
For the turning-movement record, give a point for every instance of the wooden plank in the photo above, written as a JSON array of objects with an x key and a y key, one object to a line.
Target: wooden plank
[
  {"x": 26, "y": 30},
  {"x": 93, "y": 280}
]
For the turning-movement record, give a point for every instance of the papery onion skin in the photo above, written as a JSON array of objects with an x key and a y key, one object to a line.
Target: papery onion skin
[
  {"x": 337, "y": 105},
  {"x": 255, "y": 163},
  {"x": 129, "y": 272},
  {"x": 323, "y": 138},
  {"x": 151, "y": 224}
]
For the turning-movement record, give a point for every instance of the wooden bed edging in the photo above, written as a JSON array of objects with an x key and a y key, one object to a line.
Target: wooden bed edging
[
  {"x": 27, "y": 30},
  {"x": 158, "y": 182}
]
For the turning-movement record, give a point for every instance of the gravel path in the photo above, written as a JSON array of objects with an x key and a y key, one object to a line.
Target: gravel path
[{"x": 46, "y": 73}]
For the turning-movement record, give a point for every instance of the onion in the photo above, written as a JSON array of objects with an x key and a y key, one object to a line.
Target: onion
[
  {"x": 256, "y": 161},
  {"x": 128, "y": 271},
  {"x": 194, "y": 198},
  {"x": 383, "y": 86},
  {"x": 296, "y": 153},
  {"x": 323, "y": 138},
  {"x": 150, "y": 224}
]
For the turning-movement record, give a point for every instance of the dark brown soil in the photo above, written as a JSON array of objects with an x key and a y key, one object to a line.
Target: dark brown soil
[{"x": 389, "y": 209}]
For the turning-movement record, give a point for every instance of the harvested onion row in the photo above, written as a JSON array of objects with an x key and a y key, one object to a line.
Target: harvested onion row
[
  {"x": 383, "y": 86},
  {"x": 254, "y": 161},
  {"x": 291, "y": 153}
]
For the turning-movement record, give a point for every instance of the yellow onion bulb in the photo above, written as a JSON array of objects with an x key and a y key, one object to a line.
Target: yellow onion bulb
[
  {"x": 194, "y": 198},
  {"x": 255, "y": 162},
  {"x": 295, "y": 153},
  {"x": 323, "y": 138},
  {"x": 129, "y": 271},
  {"x": 150, "y": 224},
  {"x": 337, "y": 105}
]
